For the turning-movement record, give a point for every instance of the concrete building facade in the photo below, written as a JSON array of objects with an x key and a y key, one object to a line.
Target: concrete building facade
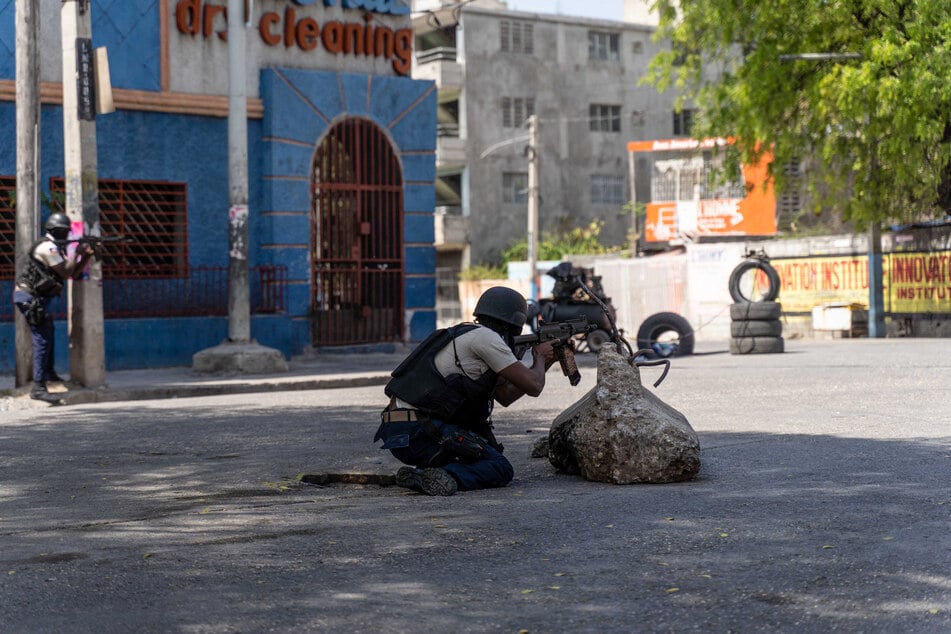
[{"x": 580, "y": 77}]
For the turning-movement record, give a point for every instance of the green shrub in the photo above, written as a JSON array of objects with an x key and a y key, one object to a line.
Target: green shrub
[{"x": 553, "y": 246}]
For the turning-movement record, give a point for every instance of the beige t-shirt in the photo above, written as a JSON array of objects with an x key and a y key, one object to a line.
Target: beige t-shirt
[{"x": 479, "y": 350}]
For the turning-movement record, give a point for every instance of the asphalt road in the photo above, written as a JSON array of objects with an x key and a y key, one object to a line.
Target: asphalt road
[{"x": 823, "y": 504}]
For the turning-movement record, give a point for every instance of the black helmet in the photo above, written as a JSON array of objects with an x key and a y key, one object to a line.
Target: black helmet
[
  {"x": 57, "y": 225},
  {"x": 504, "y": 305}
]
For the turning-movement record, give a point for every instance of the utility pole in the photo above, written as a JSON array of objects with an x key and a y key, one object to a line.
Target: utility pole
[
  {"x": 239, "y": 353},
  {"x": 87, "y": 364},
  {"x": 239, "y": 303},
  {"x": 533, "y": 196},
  {"x": 876, "y": 296},
  {"x": 632, "y": 179},
  {"x": 28, "y": 170}
]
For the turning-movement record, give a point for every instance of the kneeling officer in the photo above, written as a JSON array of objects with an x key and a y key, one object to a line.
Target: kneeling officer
[{"x": 438, "y": 419}]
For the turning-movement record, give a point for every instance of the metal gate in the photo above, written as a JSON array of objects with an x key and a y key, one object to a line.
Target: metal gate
[{"x": 357, "y": 237}]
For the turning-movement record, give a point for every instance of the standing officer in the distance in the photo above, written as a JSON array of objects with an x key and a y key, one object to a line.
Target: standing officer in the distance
[
  {"x": 47, "y": 269},
  {"x": 441, "y": 398}
]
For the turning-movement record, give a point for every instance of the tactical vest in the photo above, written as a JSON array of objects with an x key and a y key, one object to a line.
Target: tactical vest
[
  {"x": 457, "y": 398},
  {"x": 38, "y": 278}
]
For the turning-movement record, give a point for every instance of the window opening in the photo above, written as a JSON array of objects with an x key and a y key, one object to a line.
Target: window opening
[
  {"x": 603, "y": 46},
  {"x": 151, "y": 215},
  {"x": 515, "y": 187},
  {"x": 604, "y": 118}
]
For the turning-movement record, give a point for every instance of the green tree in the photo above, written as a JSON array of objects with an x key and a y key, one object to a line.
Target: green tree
[
  {"x": 873, "y": 127},
  {"x": 555, "y": 245}
]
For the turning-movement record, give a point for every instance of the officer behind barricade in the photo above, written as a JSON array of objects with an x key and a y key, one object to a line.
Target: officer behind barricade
[
  {"x": 438, "y": 419},
  {"x": 47, "y": 269}
]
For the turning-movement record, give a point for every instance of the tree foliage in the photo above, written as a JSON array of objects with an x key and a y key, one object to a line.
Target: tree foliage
[
  {"x": 557, "y": 244},
  {"x": 554, "y": 245},
  {"x": 873, "y": 132}
]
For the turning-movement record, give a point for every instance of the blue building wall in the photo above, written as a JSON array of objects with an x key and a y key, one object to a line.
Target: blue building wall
[
  {"x": 299, "y": 105},
  {"x": 299, "y": 108},
  {"x": 128, "y": 28}
]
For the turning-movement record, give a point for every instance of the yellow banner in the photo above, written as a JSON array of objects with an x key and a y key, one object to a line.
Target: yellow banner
[
  {"x": 912, "y": 282},
  {"x": 809, "y": 282},
  {"x": 918, "y": 282}
]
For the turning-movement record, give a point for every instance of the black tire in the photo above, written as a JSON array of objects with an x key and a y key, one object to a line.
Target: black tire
[
  {"x": 758, "y": 311},
  {"x": 672, "y": 333},
  {"x": 756, "y": 345},
  {"x": 742, "y": 288},
  {"x": 756, "y": 328},
  {"x": 596, "y": 339}
]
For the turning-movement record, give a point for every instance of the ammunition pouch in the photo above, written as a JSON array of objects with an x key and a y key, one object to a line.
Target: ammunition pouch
[
  {"x": 455, "y": 444},
  {"x": 462, "y": 445},
  {"x": 40, "y": 280},
  {"x": 36, "y": 313}
]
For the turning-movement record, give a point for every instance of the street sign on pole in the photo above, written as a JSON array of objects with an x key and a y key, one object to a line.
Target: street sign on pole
[{"x": 85, "y": 80}]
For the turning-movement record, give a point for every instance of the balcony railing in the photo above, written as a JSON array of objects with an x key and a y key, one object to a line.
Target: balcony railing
[
  {"x": 437, "y": 54},
  {"x": 440, "y": 65},
  {"x": 203, "y": 293},
  {"x": 447, "y": 130},
  {"x": 451, "y": 228},
  {"x": 450, "y": 151}
]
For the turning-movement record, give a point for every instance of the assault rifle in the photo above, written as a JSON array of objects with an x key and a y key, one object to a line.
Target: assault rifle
[
  {"x": 560, "y": 334},
  {"x": 96, "y": 242}
]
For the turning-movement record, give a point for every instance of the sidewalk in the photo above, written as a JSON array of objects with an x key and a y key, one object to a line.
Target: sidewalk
[{"x": 310, "y": 371}]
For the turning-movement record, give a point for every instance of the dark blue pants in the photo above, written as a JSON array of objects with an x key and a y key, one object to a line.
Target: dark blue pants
[
  {"x": 410, "y": 444},
  {"x": 43, "y": 336}
]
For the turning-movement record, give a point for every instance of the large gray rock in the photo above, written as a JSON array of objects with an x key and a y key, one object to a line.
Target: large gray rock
[{"x": 622, "y": 433}]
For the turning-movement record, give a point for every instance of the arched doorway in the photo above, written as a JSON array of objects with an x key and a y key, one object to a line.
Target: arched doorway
[{"x": 356, "y": 237}]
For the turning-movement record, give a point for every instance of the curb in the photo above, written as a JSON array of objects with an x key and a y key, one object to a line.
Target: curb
[{"x": 82, "y": 396}]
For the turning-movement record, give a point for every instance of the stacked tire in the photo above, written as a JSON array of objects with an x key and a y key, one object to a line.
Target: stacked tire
[
  {"x": 755, "y": 328},
  {"x": 755, "y": 325}
]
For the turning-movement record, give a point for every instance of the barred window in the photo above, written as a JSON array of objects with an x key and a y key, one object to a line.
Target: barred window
[
  {"x": 515, "y": 187},
  {"x": 152, "y": 216},
  {"x": 516, "y": 37},
  {"x": 790, "y": 201},
  {"x": 516, "y": 110},
  {"x": 683, "y": 122},
  {"x": 607, "y": 189},
  {"x": 603, "y": 45},
  {"x": 604, "y": 118},
  {"x": 8, "y": 226}
]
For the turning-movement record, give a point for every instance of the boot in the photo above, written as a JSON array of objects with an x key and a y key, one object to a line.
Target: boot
[
  {"x": 39, "y": 393},
  {"x": 431, "y": 481}
]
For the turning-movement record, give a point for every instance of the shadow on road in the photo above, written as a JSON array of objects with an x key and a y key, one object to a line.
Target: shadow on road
[{"x": 175, "y": 517}]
